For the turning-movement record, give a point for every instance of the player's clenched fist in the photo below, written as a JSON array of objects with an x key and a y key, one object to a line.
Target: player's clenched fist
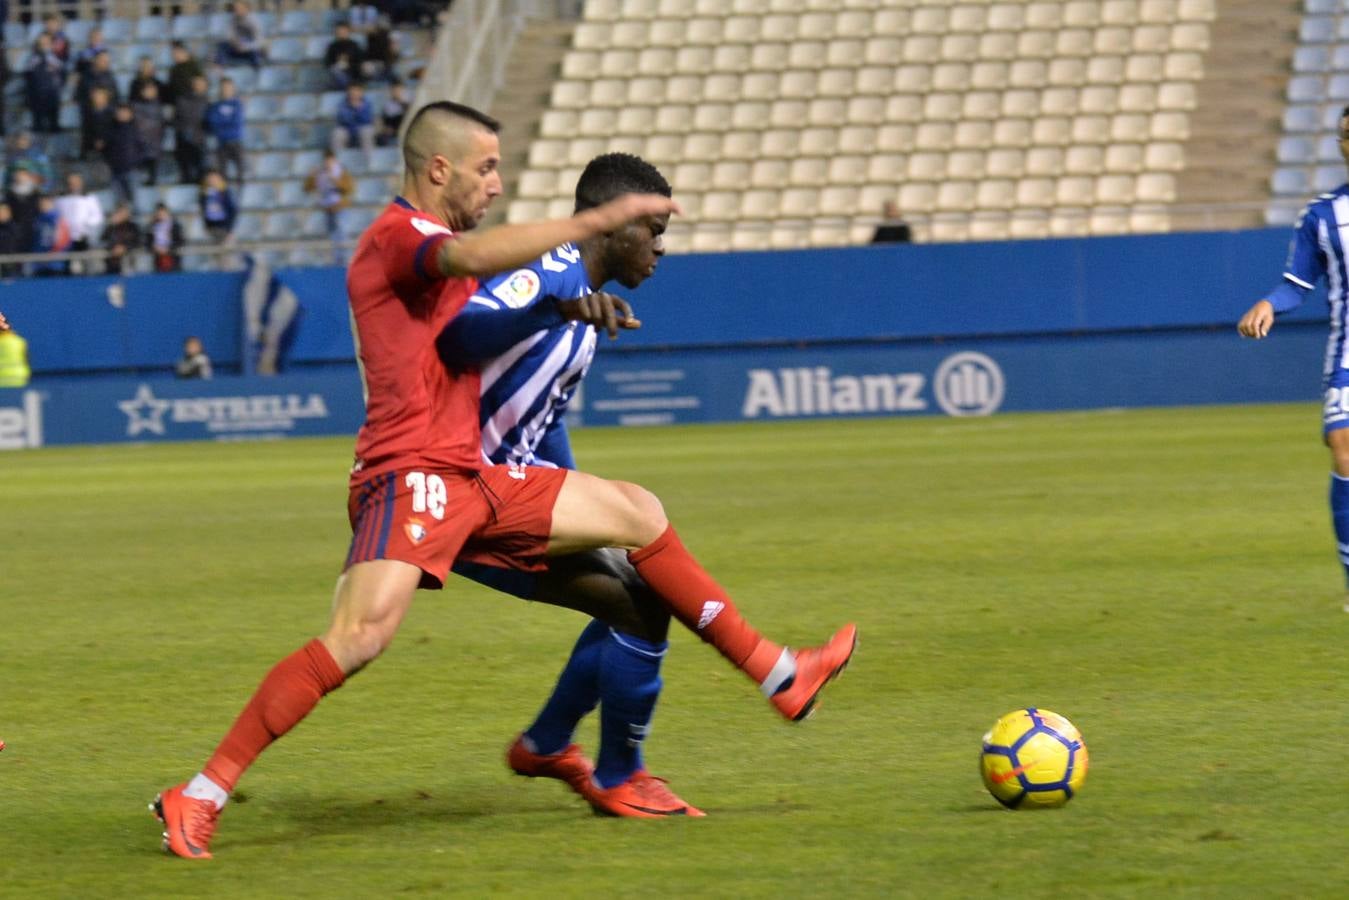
[
  {"x": 601, "y": 310},
  {"x": 628, "y": 208},
  {"x": 1257, "y": 322}
]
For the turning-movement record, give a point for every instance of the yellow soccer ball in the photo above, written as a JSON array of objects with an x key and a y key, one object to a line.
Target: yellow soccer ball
[{"x": 1033, "y": 759}]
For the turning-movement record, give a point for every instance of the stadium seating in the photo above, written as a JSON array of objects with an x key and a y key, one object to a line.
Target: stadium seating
[
  {"x": 1308, "y": 155},
  {"x": 286, "y": 128},
  {"x": 991, "y": 120}
]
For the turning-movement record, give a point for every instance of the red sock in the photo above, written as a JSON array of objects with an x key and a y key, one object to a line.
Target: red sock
[
  {"x": 703, "y": 605},
  {"x": 293, "y": 687}
]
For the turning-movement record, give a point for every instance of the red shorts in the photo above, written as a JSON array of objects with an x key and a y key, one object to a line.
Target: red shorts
[{"x": 499, "y": 516}]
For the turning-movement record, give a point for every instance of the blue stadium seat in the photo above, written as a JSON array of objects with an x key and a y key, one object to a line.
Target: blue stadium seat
[
  {"x": 182, "y": 198},
  {"x": 152, "y": 28},
  {"x": 298, "y": 107},
  {"x": 248, "y": 226},
  {"x": 1306, "y": 88},
  {"x": 288, "y": 136},
  {"x": 1328, "y": 149},
  {"x": 190, "y": 27},
  {"x": 258, "y": 137},
  {"x": 69, "y": 117},
  {"x": 386, "y": 161},
  {"x": 16, "y": 35},
  {"x": 315, "y": 47},
  {"x": 1320, "y": 7},
  {"x": 194, "y": 230},
  {"x": 1280, "y": 215},
  {"x": 315, "y": 225},
  {"x": 354, "y": 161},
  {"x": 286, "y": 50},
  {"x": 1330, "y": 116},
  {"x": 1342, "y": 33},
  {"x": 267, "y": 21},
  {"x": 312, "y": 79},
  {"x": 329, "y": 103},
  {"x": 304, "y": 162},
  {"x": 1300, "y": 118},
  {"x": 299, "y": 21},
  {"x": 117, "y": 31},
  {"x": 218, "y": 23},
  {"x": 245, "y": 78},
  {"x": 1327, "y": 178},
  {"x": 146, "y": 199},
  {"x": 292, "y": 193},
  {"x": 1314, "y": 58},
  {"x": 258, "y": 195},
  {"x": 1339, "y": 58},
  {"x": 373, "y": 190},
  {"x": 77, "y": 30},
  {"x": 272, "y": 165},
  {"x": 277, "y": 79},
  {"x": 260, "y": 108},
  {"x": 281, "y": 226},
  {"x": 1296, "y": 150},
  {"x": 1291, "y": 182},
  {"x": 1339, "y": 87},
  {"x": 1317, "y": 30}
]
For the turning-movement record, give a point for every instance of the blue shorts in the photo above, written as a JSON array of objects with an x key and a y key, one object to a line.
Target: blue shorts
[
  {"x": 509, "y": 581},
  {"x": 1335, "y": 411}
]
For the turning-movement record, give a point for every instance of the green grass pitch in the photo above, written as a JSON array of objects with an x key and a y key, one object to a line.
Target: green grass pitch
[{"x": 1166, "y": 579}]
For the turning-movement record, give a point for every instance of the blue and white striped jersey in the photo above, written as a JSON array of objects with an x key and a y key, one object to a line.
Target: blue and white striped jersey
[
  {"x": 1319, "y": 249},
  {"x": 531, "y": 359}
]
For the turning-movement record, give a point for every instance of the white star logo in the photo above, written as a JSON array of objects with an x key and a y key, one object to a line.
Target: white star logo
[{"x": 144, "y": 412}]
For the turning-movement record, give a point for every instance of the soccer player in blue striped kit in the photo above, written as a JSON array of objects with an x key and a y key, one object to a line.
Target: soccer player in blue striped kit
[
  {"x": 532, "y": 360},
  {"x": 1318, "y": 251}
]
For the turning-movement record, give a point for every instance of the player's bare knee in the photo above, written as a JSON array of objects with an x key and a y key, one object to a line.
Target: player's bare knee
[{"x": 645, "y": 515}]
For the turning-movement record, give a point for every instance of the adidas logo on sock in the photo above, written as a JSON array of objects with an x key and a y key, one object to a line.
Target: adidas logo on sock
[{"x": 711, "y": 609}]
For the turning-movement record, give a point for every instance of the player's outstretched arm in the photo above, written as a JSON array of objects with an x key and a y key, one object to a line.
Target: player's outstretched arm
[
  {"x": 1257, "y": 322},
  {"x": 508, "y": 246}
]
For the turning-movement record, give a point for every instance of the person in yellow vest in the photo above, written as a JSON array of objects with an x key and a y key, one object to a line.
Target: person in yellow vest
[{"x": 14, "y": 371}]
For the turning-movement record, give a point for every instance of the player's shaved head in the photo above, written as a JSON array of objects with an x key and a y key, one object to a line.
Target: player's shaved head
[{"x": 443, "y": 128}]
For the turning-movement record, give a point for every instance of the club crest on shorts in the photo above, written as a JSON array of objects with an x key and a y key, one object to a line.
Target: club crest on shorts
[{"x": 415, "y": 530}]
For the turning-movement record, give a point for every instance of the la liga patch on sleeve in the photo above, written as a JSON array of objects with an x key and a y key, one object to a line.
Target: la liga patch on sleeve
[{"x": 518, "y": 288}]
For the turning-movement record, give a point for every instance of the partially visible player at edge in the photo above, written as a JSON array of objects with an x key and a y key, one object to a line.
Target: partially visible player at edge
[
  {"x": 1317, "y": 251},
  {"x": 532, "y": 361},
  {"x": 420, "y": 495}
]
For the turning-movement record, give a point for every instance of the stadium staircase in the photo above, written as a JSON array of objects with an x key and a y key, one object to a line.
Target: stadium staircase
[
  {"x": 535, "y": 64},
  {"x": 1234, "y": 130}
]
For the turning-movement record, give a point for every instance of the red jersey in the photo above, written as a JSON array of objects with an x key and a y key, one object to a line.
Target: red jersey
[{"x": 417, "y": 413}]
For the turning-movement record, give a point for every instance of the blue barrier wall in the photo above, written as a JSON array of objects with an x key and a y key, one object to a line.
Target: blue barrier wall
[{"x": 965, "y": 329}]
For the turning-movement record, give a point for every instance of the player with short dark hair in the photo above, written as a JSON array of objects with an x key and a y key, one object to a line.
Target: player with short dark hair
[
  {"x": 532, "y": 361},
  {"x": 1317, "y": 251},
  {"x": 420, "y": 495}
]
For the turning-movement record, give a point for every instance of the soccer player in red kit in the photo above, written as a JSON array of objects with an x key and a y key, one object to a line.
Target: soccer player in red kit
[{"x": 420, "y": 494}]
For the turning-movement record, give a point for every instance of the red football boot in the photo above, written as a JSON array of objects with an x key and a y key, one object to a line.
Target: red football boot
[
  {"x": 643, "y": 796},
  {"x": 569, "y": 765},
  {"x": 188, "y": 823},
  {"x": 815, "y": 667}
]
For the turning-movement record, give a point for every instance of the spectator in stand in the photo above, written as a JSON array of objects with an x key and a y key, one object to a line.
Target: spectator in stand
[
  {"x": 381, "y": 51},
  {"x": 4, "y": 81},
  {"x": 50, "y": 235},
  {"x": 85, "y": 60},
  {"x": 893, "y": 229},
  {"x": 122, "y": 152},
  {"x": 218, "y": 209},
  {"x": 54, "y": 28},
  {"x": 145, "y": 74},
  {"x": 391, "y": 115},
  {"x": 189, "y": 131},
  {"x": 27, "y": 155},
  {"x": 45, "y": 75},
  {"x": 83, "y": 214},
  {"x": 148, "y": 113},
  {"x": 333, "y": 185},
  {"x": 164, "y": 238},
  {"x": 245, "y": 43},
  {"x": 355, "y": 122},
  {"x": 9, "y": 241},
  {"x": 97, "y": 77},
  {"x": 194, "y": 363},
  {"x": 343, "y": 58},
  {"x": 225, "y": 123},
  {"x": 121, "y": 238},
  {"x": 22, "y": 197},
  {"x": 96, "y": 124},
  {"x": 184, "y": 71}
]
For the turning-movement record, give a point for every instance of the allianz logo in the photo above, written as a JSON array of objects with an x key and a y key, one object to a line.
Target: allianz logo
[
  {"x": 964, "y": 384},
  {"x": 21, "y": 426}
]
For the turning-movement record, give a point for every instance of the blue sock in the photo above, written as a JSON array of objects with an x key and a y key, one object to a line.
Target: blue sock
[
  {"x": 629, "y": 685},
  {"x": 576, "y": 694},
  {"x": 1339, "y": 514}
]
